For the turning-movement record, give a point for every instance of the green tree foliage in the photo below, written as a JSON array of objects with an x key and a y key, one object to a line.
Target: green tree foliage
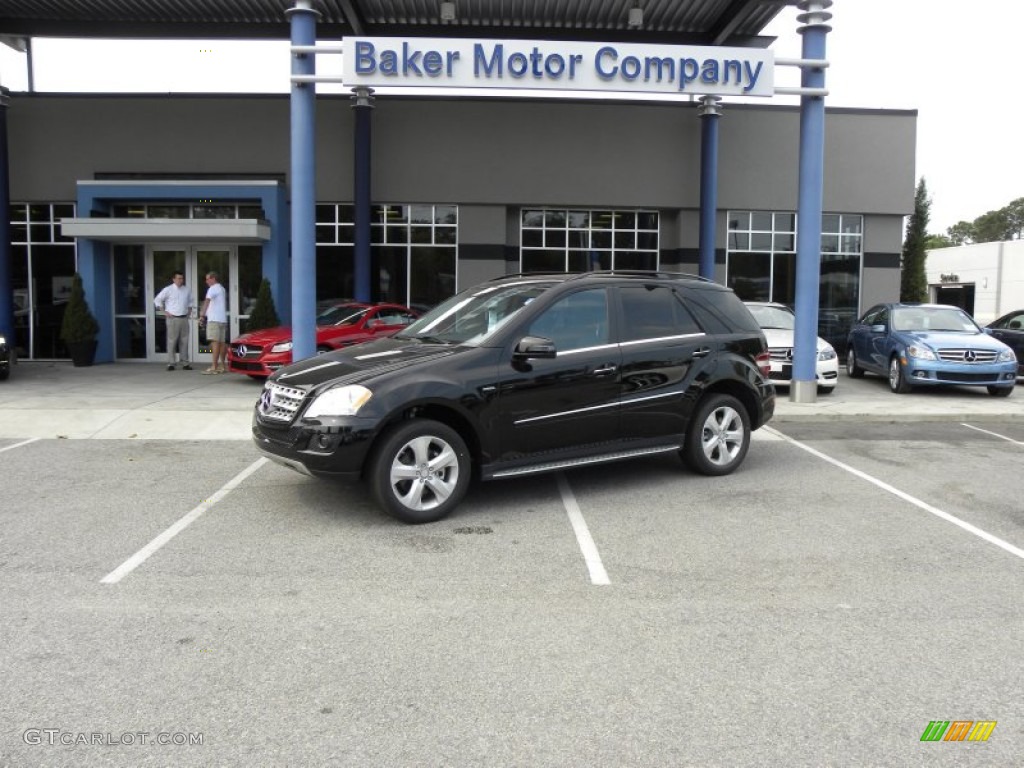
[
  {"x": 993, "y": 227},
  {"x": 931, "y": 242},
  {"x": 264, "y": 313},
  {"x": 79, "y": 325},
  {"x": 913, "y": 283},
  {"x": 961, "y": 233}
]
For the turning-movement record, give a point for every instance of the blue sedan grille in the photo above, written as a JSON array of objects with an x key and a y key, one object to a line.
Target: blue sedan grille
[{"x": 967, "y": 355}]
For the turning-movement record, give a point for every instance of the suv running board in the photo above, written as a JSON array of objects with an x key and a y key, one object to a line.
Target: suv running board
[{"x": 551, "y": 466}]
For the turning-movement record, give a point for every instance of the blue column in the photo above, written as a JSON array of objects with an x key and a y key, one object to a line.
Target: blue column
[
  {"x": 362, "y": 103},
  {"x": 6, "y": 268},
  {"x": 303, "y": 183},
  {"x": 709, "y": 112},
  {"x": 808, "y": 240}
]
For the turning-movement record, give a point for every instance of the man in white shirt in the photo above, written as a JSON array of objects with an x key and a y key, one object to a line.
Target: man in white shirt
[
  {"x": 215, "y": 315},
  {"x": 176, "y": 302}
]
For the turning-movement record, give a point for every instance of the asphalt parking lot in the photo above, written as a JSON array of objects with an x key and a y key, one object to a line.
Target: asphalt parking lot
[{"x": 182, "y": 602}]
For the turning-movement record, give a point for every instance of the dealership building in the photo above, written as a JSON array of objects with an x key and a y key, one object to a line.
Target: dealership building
[{"x": 410, "y": 198}]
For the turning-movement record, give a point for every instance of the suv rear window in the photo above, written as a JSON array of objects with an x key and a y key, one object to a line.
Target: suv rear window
[
  {"x": 721, "y": 311},
  {"x": 652, "y": 312}
]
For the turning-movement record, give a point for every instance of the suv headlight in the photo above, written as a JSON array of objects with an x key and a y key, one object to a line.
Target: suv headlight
[
  {"x": 1004, "y": 357},
  {"x": 920, "y": 352},
  {"x": 826, "y": 353},
  {"x": 340, "y": 401},
  {"x": 284, "y": 346}
]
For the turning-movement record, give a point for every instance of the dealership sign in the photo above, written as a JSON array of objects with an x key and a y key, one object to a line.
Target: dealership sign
[{"x": 379, "y": 62}]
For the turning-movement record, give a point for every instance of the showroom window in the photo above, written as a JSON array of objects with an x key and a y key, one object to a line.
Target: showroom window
[
  {"x": 43, "y": 267},
  {"x": 556, "y": 240},
  {"x": 761, "y": 264},
  {"x": 178, "y": 210},
  {"x": 413, "y": 256}
]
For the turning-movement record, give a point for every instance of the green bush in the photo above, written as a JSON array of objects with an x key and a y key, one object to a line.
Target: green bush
[
  {"x": 79, "y": 324},
  {"x": 264, "y": 314}
]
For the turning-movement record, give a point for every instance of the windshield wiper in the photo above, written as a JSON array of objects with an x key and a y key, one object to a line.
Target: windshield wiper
[{"x": 429, "y": 339}]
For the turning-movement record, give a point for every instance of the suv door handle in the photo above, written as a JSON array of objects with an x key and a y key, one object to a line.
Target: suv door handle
[
  {"x": 606, "y": 369},
  {"x": 702, "y": 352}
]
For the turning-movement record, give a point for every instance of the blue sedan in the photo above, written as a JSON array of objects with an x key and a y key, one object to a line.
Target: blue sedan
[{"x": 928, "y": 345}]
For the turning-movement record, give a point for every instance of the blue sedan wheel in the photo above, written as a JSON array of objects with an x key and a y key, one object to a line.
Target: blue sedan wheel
[{"x": 897, "y": 381}]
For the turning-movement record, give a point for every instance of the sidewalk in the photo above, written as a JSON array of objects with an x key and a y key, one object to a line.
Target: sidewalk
[{"x": 146, "y": 401}]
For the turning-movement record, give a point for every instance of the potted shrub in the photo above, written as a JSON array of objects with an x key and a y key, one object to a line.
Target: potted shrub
[
  {"x": 264, "y": 313},
  {"x": 79, "y": 328}
]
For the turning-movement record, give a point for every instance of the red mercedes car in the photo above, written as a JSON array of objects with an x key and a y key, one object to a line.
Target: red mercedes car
[{"x": 259, "y": 353}]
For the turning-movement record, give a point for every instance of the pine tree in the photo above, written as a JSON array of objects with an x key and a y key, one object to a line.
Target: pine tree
[
  {"x": 913, "y": 282},
  {"x": 264, "y": 314},
  {"x": 79, "y": 325}
]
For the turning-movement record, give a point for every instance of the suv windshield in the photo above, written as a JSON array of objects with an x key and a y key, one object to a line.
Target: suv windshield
[
  {"x": 473, "y": 316},
  {"x": 933, "y": 319}
]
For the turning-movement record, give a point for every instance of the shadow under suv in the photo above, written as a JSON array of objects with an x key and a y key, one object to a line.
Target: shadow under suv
[{"x": 524, "y": 374}]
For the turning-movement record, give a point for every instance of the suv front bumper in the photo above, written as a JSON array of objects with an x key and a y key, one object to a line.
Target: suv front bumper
[{"x": 336, "y": 450}]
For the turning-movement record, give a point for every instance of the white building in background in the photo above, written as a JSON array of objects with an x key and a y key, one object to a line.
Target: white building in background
[{"x": 986, "y": 279}]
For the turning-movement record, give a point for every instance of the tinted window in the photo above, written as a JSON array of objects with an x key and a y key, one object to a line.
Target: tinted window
[
  {"x": 576, "y": 321},
  {"x": 651, "y": 312},
  {"x": 720, "y": 311}
]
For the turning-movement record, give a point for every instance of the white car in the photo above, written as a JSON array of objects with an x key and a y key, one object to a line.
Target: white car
[{"x": 778, "y": 321}]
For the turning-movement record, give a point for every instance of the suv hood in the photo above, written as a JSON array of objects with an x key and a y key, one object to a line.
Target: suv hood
[{"x": 362, "y": 362}]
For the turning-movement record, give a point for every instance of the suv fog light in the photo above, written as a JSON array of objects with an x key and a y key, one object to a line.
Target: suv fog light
[{"x": 323, "y": 441}]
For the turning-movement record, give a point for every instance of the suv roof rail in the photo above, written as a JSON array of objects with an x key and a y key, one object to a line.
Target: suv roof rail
[{"x": 637, "y": 273}]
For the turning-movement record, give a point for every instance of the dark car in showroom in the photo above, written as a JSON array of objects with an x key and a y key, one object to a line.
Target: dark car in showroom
[
  {"x": 6, "y": 355},
  {"x": 920, "y": 345},
  {"x": 526, "y": 374},
  {"x": 258, "y": 354},
  {"x": 1009, "y": 329}
]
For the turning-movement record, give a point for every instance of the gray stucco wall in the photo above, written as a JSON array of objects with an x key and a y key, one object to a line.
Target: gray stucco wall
[{"x": 480, "y": 151}]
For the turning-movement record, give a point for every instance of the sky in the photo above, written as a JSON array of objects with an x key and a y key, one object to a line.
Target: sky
[{"x": 956, "y": 64}]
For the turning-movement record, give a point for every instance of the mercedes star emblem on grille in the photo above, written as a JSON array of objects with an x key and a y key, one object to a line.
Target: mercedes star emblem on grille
[
  {"x": 241, "y": 351},
  {"x": 970, "y": 356}
]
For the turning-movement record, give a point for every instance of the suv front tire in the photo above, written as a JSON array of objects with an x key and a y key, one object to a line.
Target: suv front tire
[{"x": 420, "y": 471}]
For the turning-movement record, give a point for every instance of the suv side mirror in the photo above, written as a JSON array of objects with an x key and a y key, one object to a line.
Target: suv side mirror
[
  {"x": 878, "y": 328},
  {"x": 535, "y": 347}
]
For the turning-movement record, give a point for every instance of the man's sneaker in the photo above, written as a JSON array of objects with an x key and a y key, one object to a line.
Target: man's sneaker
[
  {"x": 186, "y": 367},
  {"x": 170, "y": 367}
]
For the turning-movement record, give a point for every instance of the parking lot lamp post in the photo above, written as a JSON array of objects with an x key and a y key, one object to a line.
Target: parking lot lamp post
[
  {"x": 709, "y": 111},
  {"x": 808, "y": 243}
]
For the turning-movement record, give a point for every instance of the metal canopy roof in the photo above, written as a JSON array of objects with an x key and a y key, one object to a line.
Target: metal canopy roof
[{"x": 692, "y": 22}]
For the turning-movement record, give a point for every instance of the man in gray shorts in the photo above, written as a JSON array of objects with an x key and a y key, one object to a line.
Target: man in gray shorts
[{"x": 215, "y": 314}]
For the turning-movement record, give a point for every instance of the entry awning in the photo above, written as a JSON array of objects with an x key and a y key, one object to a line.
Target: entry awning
[{"x": 246, "y": 231}]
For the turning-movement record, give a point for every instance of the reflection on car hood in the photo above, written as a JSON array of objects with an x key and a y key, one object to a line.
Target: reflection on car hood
[
  {"x": 265, "y": 336},
  {"x": 362, "y": 362},
  {"x": 778, "y": 337},
  {"x": 952, "y": 339}
]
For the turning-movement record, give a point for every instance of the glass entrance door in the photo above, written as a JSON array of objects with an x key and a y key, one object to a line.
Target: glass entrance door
[{"x": 196, "y": 261}]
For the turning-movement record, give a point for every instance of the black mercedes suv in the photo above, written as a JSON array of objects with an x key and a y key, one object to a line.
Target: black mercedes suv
[{"x": 523, "y": 374}]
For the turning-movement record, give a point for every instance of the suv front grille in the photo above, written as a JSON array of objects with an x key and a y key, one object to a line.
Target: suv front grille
[
  {"x": 279, "y": 403},
  {"x": 967, "y": 355}
]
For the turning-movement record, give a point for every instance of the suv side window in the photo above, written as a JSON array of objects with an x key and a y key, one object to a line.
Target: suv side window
[
  {"x": 719, "y": 311},
  {"x": 653, "y": 311},
  {"x": 576, "y": 321}
]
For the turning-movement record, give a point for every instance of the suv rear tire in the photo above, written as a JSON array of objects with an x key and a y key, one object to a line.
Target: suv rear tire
[
  {"x": 718, "y": 437},
  {"x": 420, "y": 471}
]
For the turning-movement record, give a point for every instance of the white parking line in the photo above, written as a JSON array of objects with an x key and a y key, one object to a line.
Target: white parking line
[
  {"x": 579, "y": 525},
  {"x": 994, "y": 434},
  {"x": 973, "y": 529},
  {"x": 18, "y": 445},
  {"x": 143, "y": 554}
]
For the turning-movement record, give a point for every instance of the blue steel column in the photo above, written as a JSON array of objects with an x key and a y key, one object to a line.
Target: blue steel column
[
  {"x": 808, "y": 242},
  {"x": 362, "y": 103},
  {"x": 709, "y": 112},
  {"x": 6, "y": 268},
  {"x": 303, "y": 183}
]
